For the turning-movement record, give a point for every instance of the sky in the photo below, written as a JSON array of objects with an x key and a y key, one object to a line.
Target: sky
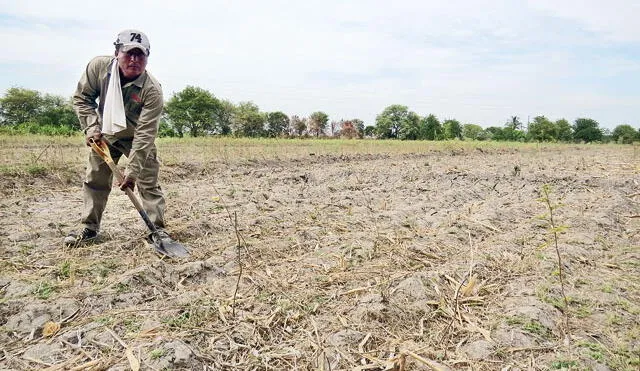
[{"x": 479, "y": 62}]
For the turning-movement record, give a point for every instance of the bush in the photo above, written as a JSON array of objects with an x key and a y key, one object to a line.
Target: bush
[{"x": 34, "y": 128}]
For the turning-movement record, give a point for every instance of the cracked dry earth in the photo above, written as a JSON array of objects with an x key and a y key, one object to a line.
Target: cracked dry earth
[{"x": 357, "y": 258}]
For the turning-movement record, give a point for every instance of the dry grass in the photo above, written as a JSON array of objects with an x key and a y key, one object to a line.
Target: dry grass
[{"x": 326, "y": 255}]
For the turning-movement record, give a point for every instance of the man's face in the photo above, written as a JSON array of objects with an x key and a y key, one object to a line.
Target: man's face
[{"x": 132, "y": 63}]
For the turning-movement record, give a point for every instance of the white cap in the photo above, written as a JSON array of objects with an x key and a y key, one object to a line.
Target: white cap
[{"x": 131, "y": 39}]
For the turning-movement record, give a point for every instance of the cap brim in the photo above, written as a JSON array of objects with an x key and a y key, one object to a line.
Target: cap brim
[{"x": 126, "y": 47}]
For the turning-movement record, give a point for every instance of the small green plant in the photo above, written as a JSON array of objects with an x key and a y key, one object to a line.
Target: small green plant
[
  {"x": 614, "y": 319},
  {"x": 44, "y": 290},
  {"x": 122, "y": 288},
  {"x": 555, "y": 230},
  {"x": 132, "y": 324},
  {"x": 535, "y": 327},
  {"x": 543, "y": 292},
  {"x": 178, "y": 321},
  {"x": 36, "y": 170},
  {"x": 64, "y": 271},
  {"x": 157, "y": 353},
  {"x": 104, "y": 320},
  {"x": 26, "y": 249},
  {"x": 563, "y": 364},
  {"x": 583, "y": 311},
  {"x": 515, "y": 320}
]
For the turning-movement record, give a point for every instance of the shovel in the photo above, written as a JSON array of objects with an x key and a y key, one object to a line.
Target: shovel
[{"x": 166, "y": 247}]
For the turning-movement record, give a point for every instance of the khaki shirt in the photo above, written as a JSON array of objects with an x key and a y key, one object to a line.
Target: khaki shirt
[{"x": 143, "y": 106}]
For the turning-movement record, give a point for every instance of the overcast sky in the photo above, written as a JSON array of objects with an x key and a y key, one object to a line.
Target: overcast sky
[{"x": 478, "y": 61}]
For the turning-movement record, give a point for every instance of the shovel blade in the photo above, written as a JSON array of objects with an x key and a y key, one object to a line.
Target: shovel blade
[{"x": 168, "y": 247}]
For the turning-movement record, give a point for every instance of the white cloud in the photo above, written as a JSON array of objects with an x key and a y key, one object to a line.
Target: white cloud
[{"x": 613, "y": 20}]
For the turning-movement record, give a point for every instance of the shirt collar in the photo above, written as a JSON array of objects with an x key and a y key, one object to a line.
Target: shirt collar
[{"x": 139, "y": 81}]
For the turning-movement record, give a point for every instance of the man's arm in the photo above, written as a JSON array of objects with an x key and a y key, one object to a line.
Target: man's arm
[
  {"x": 146, "y": 132},
  {"x": 84, "y": 99}
]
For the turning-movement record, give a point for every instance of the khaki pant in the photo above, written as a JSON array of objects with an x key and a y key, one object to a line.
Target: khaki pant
[{"x": 99, "y": 179}]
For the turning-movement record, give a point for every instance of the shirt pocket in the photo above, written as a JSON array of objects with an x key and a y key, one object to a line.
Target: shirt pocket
[{"x": 133, "y": 104}]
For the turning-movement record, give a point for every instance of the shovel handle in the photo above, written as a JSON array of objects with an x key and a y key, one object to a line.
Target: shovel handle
[{"x": 102, "y": 149}]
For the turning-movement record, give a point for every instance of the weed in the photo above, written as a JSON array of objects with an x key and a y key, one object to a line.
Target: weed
[
  {"x": 285, "y": 304},
  {"x": 535, "y": 327},
  {"x": 44, "y": 290},
  {"x": 544, "y": 293},
  {"x": 104, "y": 268},
  {"x": 26, "y": 249},
  {"x": 555, "y": 230},
  {"x": 132, "y": 325},
  {"x": 627, "y": 306},
  {"x": 122, "y": 288},
  {"x": 36, "y": 170},
  {"x": 563, "y": 364},
  {"x": 64, "y": 271},
  {"x": 157, "y": 353},
  {"x": 178, "y": 321},
  {"x": 614, "y": 319},
  {"x": 9, "y": 170},
  {"x": 104, "y": 320},
  {"x": 583, "y": 311},
  {"x": 595, "y": 350},
  {"x": 516, "y": 320}
]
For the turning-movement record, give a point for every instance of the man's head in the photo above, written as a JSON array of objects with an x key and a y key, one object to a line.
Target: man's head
[{"x": 132, "y": 51}]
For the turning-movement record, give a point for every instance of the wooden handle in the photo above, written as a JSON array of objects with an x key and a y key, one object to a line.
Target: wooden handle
[{"x": 102, "y": 149}]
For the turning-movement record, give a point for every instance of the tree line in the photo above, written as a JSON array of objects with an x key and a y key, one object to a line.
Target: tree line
[{"x": 197, "y": 112}]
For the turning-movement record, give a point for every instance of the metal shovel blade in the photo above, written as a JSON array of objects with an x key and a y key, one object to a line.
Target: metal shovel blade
[{"x": 168, "y": 247}]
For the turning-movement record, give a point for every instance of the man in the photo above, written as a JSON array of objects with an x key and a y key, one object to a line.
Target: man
[{"x": 127, "y": 118}]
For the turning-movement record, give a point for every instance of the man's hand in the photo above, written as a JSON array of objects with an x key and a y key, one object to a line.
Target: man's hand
[
  {"x": 96, "y": 134},
  {"x": 127, "y": 182}
]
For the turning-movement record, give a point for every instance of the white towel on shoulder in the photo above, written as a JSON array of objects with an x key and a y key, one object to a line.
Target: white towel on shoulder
[{"x": 113, "y": 117}]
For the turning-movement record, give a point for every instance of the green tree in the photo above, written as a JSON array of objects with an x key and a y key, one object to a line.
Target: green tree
[
  {"x": 359, "y": 126},
  {"x": 318, "y": 123},
  {"x": 511, "y": 135},
  {"x": 391, "y": 120},
  {"x": 484, "y": 135},
  {"x": 472, "y": 131},
  {"x": 226, "y": 115},
  {"x": 432, "y": 128},
  {"x": 369, "y": 131},
  {"x": 19, "y": 106},
  {"x": 195, "y": 109},
  {"x": 624, "y": 134},
  {"x": 495, "y": 133},
  {"x": 411, "y": 128},
  {"x": 452, "y": 129},
  {"x": 277, "y": 123},
  {"x": 607, "y": 135},
  {"x": 249, "y": 121},
  {"x": 542, "y": 130},
  {"x": 564, "y": 133},
  {"x": 298, "y": 125},
  {"x": 165, "y": 129},
  {"x": 44, "y": 114},
  {"x": 57, "y": 111},
  {"x": 514, "y": 123},
  {"x": 587, "y": 130}
]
